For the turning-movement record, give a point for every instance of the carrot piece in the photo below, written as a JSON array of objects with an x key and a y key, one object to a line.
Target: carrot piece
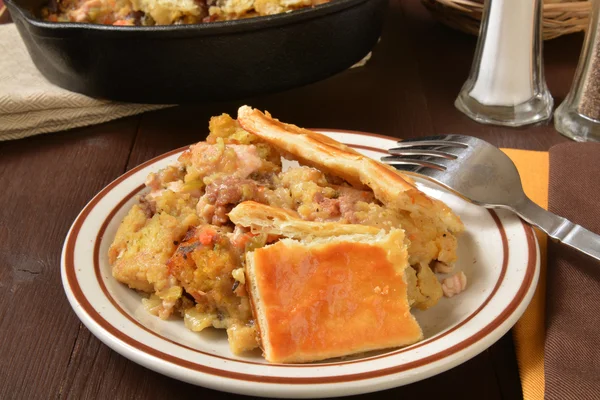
[{"x": 206, "y": 236}]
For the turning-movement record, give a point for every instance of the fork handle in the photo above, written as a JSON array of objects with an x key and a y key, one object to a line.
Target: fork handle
[{"x": 560, "y": 228}]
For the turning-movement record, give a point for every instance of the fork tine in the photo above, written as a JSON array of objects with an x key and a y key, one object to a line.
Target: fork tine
[
  {"x": 422, "y": 152},
  {"x": 405, "y": 144},
  {"x": 398, "y": 162},
  {"x": 444, "y": 138}
]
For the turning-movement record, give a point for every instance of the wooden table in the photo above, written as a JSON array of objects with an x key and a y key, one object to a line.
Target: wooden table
[{"x": 406, "y": 90}]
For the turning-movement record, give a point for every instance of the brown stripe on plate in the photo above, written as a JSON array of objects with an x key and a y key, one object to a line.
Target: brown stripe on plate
[
  {"x": 109, "y": 296},
  {"x": 88, "y": 308},
  {"x": 110, "y": 216}
]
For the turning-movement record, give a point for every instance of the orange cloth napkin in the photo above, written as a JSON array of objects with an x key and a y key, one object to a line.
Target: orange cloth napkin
[{"x": 529, "y": 332}]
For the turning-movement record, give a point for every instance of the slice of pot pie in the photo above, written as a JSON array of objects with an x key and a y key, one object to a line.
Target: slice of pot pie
[{"x": 204, "y": 231}]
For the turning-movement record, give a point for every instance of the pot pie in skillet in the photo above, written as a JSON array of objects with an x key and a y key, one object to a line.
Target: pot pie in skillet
[
  {"x": 321, "y": 260},
  {"x": 166, "y": 12}
]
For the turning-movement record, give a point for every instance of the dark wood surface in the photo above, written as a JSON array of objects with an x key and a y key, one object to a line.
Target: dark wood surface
[{"x": 406, "y": 90}]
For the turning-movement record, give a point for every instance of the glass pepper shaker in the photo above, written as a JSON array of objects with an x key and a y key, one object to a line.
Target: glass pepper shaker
[
  {"x": 506, "y": 85},
  {"x": 578, "y": 116}
]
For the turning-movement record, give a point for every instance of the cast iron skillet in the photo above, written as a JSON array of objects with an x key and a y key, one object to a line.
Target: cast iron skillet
[{"x": 193, "y": 63}]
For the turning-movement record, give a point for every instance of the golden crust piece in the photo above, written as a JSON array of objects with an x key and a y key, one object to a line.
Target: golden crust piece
[
  {"x": 277, "y": 221},
  {"x": 331, "y": 297},
  {"x": 328, "y": 155}
]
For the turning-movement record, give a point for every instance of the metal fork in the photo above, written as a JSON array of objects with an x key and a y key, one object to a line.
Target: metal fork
[{"x": 484, "y": 175}]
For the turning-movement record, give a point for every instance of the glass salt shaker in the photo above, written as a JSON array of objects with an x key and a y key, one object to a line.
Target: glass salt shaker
[
  {"x": 506, "y": 85},
  {"x": 578, "y": 116}
]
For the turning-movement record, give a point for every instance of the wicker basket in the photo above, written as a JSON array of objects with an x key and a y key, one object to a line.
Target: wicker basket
[{"x": 561, "y": 17}]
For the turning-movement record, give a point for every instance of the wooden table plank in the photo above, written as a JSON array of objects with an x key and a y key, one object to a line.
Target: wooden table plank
[
  {"x": 502, "y": 357},
  {"x": 46, "y": 180}
]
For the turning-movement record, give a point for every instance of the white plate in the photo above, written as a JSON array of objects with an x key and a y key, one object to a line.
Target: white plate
[{"x": 498, "y": 253}]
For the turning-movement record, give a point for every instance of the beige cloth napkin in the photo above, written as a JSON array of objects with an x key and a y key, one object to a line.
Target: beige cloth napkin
[{"x": 30, "y": 105}]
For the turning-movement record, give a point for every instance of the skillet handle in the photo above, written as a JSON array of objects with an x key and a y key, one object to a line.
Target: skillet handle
[{"x": 560, "y": 228}]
